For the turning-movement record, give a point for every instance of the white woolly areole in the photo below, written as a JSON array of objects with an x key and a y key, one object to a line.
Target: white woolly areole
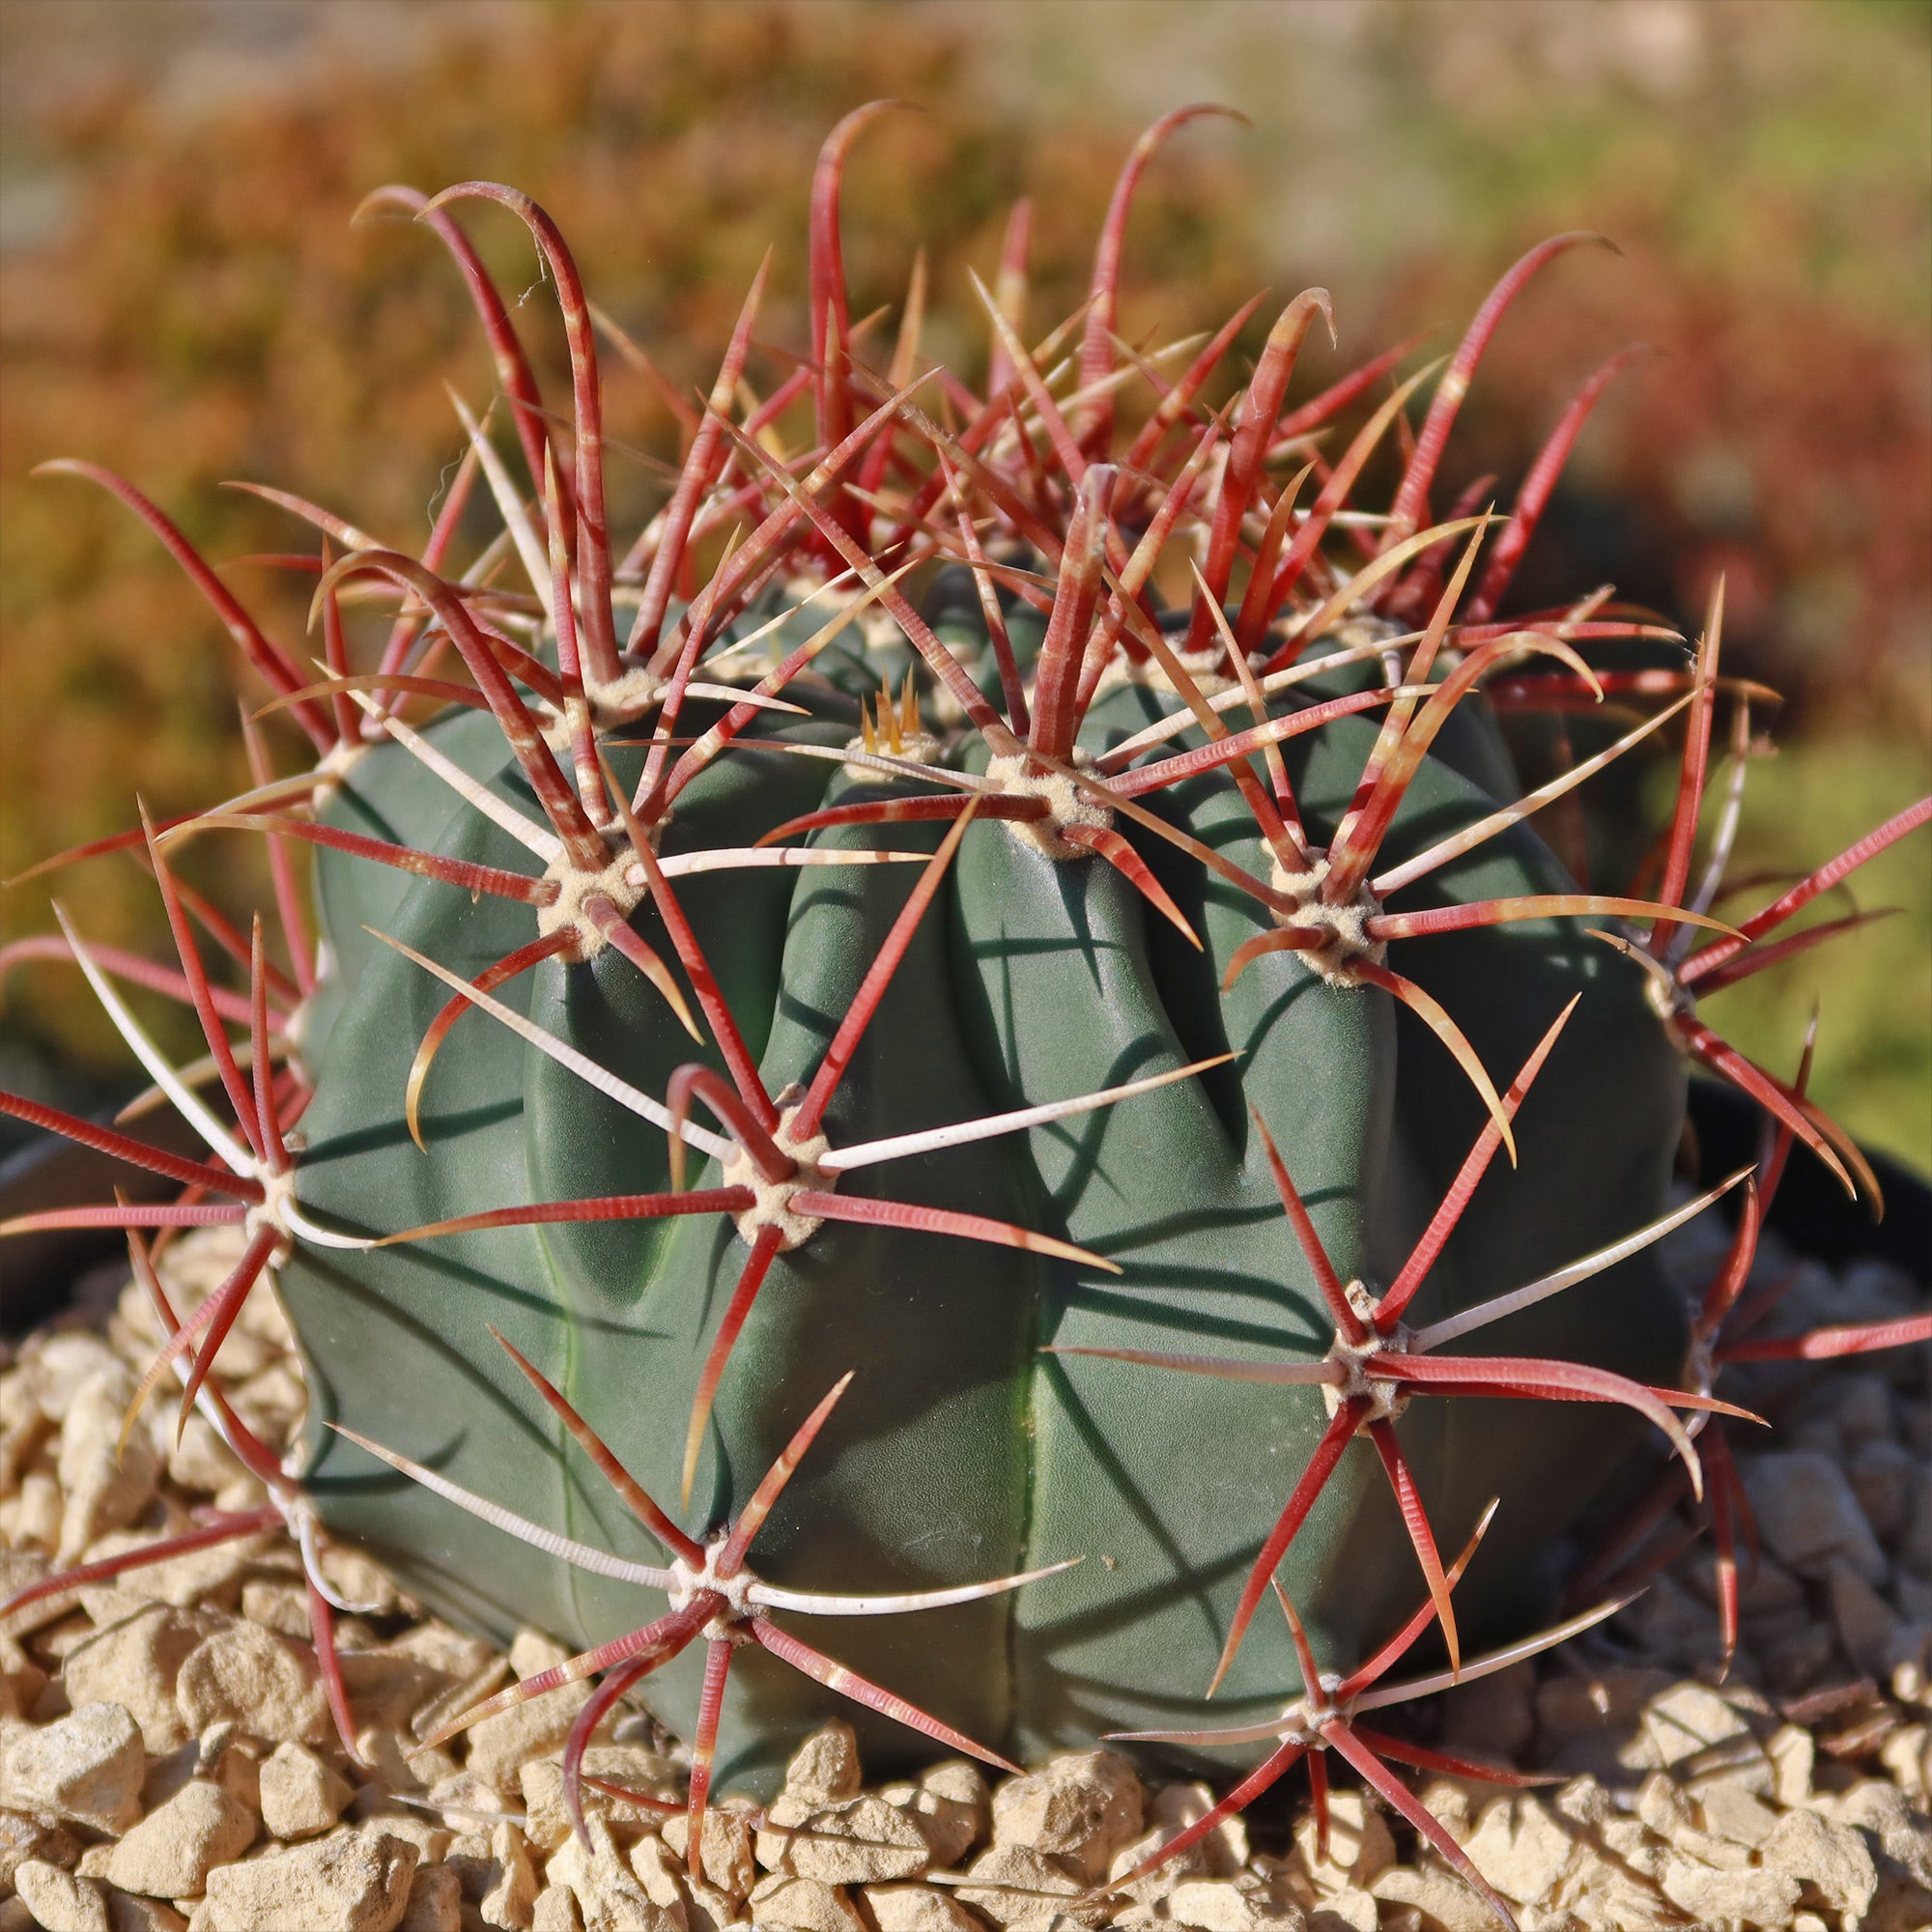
[
  {"x": 573, "y": 886},
  {"x": 278, "y": 1196},
  {"x": 624, "y": 697},
  {"x": 1301, "y": 1721},
  {"x": 1203, "y": 666},
  {"x": 1700, "y": 1376},
  {"x": 920, "y": 747},
  {"x": 1671, "y": 1002},
  {"x": 1387, "y": 1399},
  {"x": 620, "y": 701},
  {"x": 1345, "y": 928},
  {"x": 773, "y": 1209},
  {"x": 690, "y": 1583},
  {"x": 1016, "y": 776},
  {"x": 946, "y": 708}
]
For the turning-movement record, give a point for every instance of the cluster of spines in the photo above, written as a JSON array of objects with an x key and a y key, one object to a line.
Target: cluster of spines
[{"x": 1027, "y": 472}]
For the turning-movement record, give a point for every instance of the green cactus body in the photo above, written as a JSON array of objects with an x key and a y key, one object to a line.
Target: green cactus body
[{"x": 963, "y": 1450}]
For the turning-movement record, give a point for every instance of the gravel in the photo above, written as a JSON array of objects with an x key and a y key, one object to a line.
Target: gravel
[{"x": 167, "y": 1761}]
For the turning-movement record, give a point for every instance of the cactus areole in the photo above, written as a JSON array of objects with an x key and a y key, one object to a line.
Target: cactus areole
[{"x": 967, "y": 1055}]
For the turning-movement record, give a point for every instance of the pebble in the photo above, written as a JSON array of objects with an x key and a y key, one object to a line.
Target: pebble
[
  {"x": 1884, "y": 1475},
  {"x": 434, "y": 1903},
  {"x": 37, "y": 1515},
  {"x": 211, "y": 1579},
  {"x": 952, "y": 1807},
  {"x": 106, "y": 1484},
  {"x": 87, "y": 1767},
  {"x": 1213, "y": 1905},
  {"x": 803, "y": 1905},
  {"x": 607, "y": 1890},
  {"x": 725, "y": 1850},
  {"x": 501, "y": 1746},
  {"x": 170, "y": 1853},
  {"x": 825, "y": 1768},
  {"x": 352, "y": 1881},
  {"x": 1522, "y": 1848},
  {"x": 61, "y": 1363},
  {"x": 137, "y": 1662},
  {"x": 1608, "y": 1697},
  {"x": 556, "y": 1911},
  {"x": 1080, "y": 1807},
  {"x": 511, "y": 1899},
  {"x": 218, "y": 1757},
  {"x": 1224, "y": 1851},
  {"x": 1907, "y": 1755},
  {"x": 263, "y": 1683},
  {"x": 547, "y": 1821},
  {"x": 430, "y": 1835},
  {"x": 1731, "y": 1812},
  {"x": 456, "y": 1657},
  {"x": 301, "y": 1795},
  {"x": 22, "y": 1837},
  {"x": 19, "y": 1568},
  {"x": 1441, "y": 1899},
  {"x": 61, "y": 1902},
  {"x": 1865, "y": 1622},
  {"x": 386, "y": 1691},
  {"x": 1360, "y": 1847},
  {"x": 396, "y": 1762},
  {"x": 1904, "y": 1834},
  {"x": 1792, "y": 1754},
  {"x": 1808, "y": 1515},
  {"x": 1830, "y": 1861},
  {"x": 1013, "y": 1883},
  {"x": 200, "y": 1460},
  {"x": 1763, "y": 1898},
  {"x": 1687, "y": 1720},
  {"x": 129, "y": 1912},
  {"x": 656, "y": 1868},
  {"x": 863, "y": 1841},
  {"x": 1157, "y": 1884},
  {"x": 917, "y": 1907}
]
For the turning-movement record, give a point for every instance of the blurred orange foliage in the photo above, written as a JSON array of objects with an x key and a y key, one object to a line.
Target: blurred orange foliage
[{"x": 208, "y": 311}]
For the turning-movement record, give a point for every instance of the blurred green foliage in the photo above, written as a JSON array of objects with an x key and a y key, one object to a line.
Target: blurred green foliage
[
  {"x": 1873, "y": 989},
  {"x": 182, "y": 296}
]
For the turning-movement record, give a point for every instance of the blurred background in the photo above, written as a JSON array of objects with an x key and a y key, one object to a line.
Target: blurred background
[{"x": 183, "y": 298}]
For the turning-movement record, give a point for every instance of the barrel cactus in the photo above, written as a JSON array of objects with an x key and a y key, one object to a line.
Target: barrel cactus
[{"x": 1007, "y": 1033}]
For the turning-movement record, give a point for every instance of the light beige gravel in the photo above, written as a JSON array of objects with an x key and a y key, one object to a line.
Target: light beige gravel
[{"x": 167, "y": 1762}]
